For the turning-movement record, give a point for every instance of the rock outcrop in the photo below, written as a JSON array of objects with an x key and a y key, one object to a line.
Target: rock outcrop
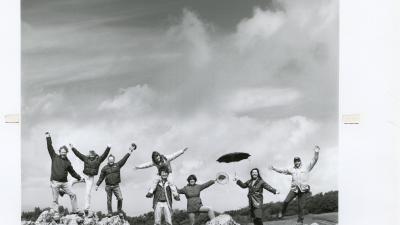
[
  {"x": 223, "y": 219},
  {"x": 49, "y": 217}
]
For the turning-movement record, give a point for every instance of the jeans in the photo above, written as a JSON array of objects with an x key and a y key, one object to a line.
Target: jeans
[
  {"x": 55, "y": 188},
  {"x": 89, "y": 186},
  {"x": 118, "y": 194},
  {"x": 162, "y": 208},
  {"x": 301, "y": 197}
]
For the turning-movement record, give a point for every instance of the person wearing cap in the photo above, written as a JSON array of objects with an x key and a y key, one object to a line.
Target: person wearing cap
[
  {"x": 299, "y": 186},
  {"x": 60, "y": 167},
  {"x": 162, "y": 198},
  {"x": 194, "y": 203},
  {"x": 91, "y": 166},
  {"x": 256, "y": 185},
  {"x": 111, "y": 173},
  {"x": 159, "y": 160}
]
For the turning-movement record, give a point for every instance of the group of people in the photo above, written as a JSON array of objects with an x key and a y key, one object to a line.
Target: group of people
[{"x": 163, "y": 191}]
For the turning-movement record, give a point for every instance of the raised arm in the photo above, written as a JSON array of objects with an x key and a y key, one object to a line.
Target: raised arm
[
  {"x": 176, "y": 154},
  {"x": 101, "y": 177},
  {"x": 122, "y": 162},
  {"x": 50, "y": 148},
  {"x": 267, "y": 187},
  {"x": 77, "y": 153},
  {"x": 241, "y": 184},
  {"x": 105, "y": 153},
  {"x": 73, "y": 173},
  {"x": 315, "y": 158},
  {"x": 283, "y": 171},
  {"x": 207, "y": 184}
]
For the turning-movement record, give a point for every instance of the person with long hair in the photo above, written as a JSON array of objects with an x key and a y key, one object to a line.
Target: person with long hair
[
  {"x": 256, "y": 185},
  {"x": 194, "y": 203},
  {"x": 159, "y": 160}
]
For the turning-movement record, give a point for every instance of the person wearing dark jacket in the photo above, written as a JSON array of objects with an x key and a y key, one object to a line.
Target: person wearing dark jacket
[
  {"x": 90, "y": 169},
  {"x": 111, "y": 173},
  {"x": 256, "y": 185},
  {"x": 162, "y": 198},
  {"x": 194, "y": 203},
  {"x": 60, "y": 167}
]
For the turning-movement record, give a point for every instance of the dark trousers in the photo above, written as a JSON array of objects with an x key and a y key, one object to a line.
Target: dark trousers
[
  {"x": 257, "y": 221},
  {"x": 118, "y": 194},
  {"x": 301, "y": 197}
]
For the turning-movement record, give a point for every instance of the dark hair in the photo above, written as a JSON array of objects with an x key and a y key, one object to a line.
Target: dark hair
[
  {"x": 192, "y": 177},
  {"x": 258, "y": 171},
  {"x": 154, "y": 155},
  {"x": 296, "y": 159},
  {"x": 63, "y": 147},
  {"x": 112, "y": 156},
  {"x": 163, "y": 169}
]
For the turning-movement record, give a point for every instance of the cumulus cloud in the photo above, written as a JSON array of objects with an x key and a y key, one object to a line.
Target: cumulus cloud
[{"x": 254, "y": 88}]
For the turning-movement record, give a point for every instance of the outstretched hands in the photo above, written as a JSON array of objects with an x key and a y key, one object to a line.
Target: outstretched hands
[{"x": 316, "y": 148}]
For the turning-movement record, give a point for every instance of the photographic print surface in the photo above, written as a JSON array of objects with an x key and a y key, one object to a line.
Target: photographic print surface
[{"x": 191, "y": 80}]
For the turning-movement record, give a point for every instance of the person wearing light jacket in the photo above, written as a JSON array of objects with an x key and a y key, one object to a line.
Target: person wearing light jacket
[
  {"x": 90, "y": 169},
  {"x": 111, "y": 173},
  {"x": 60, "y": 167},
  {"x": 299, "y": 186},
  {"x": 160, "y": 160}
]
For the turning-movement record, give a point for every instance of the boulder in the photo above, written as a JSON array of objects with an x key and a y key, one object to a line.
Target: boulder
[{"x": 223, "y": 219}]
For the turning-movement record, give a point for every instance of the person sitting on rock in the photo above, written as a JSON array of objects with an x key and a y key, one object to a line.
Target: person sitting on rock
[
  {"x": 162, "y": 198},
  {"x": 299, "y": 186},
  {"x": 194, "y": 203},
  {"x": 90, "y": 169},
  {"x": 60, "y": 167},
  {"x": 159, "y": 160},
  {"x": 112, "y": 174},
  {"x": 255, "y": 185}
]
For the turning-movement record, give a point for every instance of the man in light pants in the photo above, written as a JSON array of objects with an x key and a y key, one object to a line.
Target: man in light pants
[
  {"x": 299, "y": 187},
  {"x": 60, "y": 167},
  {"x": 91, "y": 168},
  {"x": 162, "y": 200}
]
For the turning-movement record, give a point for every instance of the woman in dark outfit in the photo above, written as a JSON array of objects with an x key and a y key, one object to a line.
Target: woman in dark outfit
[
  {"x": 192, "y": 193},
  {"x": 256, "y": 185}
]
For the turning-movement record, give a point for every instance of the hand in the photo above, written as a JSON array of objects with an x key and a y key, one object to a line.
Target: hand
[
  {"x": 135, "y": 168},
  {"x": 82, "y": 179},
  {"x": 108, "y": 146},
  {"x": 277, "y": 192},
  {"x": 97, "y": 188},
  {"x": 271, "y": 167},
  {"x": 235, "y": 178},
  {"x": 316, "y": 148},
  {"x": 70, "y": 145},
  {"x": 47, "y": 134},
  {"x": 132, "y": 147},
  {"x": 185, "y": 149}
]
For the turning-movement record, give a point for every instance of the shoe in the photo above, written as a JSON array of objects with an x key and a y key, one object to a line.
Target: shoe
[
  {"x": 149, "y": 195},
  {"x": 280, "y": 216}
]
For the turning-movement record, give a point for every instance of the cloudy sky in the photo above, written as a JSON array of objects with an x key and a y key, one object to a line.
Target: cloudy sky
[{"x": 214, "y": 76}]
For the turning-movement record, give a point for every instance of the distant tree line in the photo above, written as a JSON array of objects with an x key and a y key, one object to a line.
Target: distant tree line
[{"x": 315, "y": 204}]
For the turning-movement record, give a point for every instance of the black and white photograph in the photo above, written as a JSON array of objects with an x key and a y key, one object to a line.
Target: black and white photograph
[{"x": 179, "y": 112}]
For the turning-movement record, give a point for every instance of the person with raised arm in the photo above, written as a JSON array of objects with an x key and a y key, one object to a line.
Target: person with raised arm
[
  {"x": 159, "y": 160},
  {"x": 111, "y": 173},
  {"x": 194, "y": 203},
  {"x": 256, "y": 185},
  {"x": 91, "y": 166},
  {"x": 299, "y": 186},
  {"x": 60, "y": 167}
]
